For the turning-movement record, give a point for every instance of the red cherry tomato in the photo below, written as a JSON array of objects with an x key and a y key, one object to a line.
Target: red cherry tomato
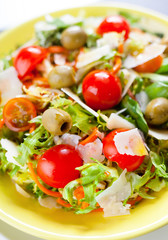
[
  {"x": 129, "y": 162},
  {"x": 17, "y": 113},
  {"x": 114, "y": 24},
  {"x": 150, "y": 66},
  {"x": 28, "y": 58},
  {"x": 101, "y": 89},
  {"x": 57, "y": 165}
]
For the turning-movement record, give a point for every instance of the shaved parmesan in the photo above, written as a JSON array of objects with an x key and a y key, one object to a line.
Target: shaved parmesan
[
  {"x": 77, "y": 99},
  {"x": 143, "y": 100},
  {"x": 111, "y": 198},
  {"x": 92, "y": 56},
  {"x": 49, "y": 202},
  {"x": 112, "y": 39},
  {"x": 115, "y": 121},
  {"x": 11, "y": 149},
  {"x": 149, "y": 53},
  {"x": 92, "y": 150},
  {"x": 10, "y": 85},
  {"x": 130, "y": 76},
  {"x": 22, "y": 191},
  {"x": 130, "y": 143},
  {"x": 159, "y": 134},
  {"x": 67, "y": 138}
]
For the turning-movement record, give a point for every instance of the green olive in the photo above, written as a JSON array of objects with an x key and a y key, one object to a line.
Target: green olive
[
  {"x": 56, "y": 121},
  {"x": 61, "y": 76},
  {"x": 156, "y": 112},
  {"x": 73, "y": 37}
]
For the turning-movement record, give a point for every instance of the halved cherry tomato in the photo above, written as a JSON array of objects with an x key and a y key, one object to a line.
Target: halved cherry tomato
[
  {"x": 57, "y": 165},
  {"x": 28, "y": 58},
  {"x": 114, "y": 24},
  {"x": 129, "y": 162},
  {"x": 17, "y": 113},
  {"x": 151, "y": 66},
  {"x": 101, "y": 89}
]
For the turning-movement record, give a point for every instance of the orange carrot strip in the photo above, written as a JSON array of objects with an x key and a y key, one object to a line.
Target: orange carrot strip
[
  {"x": 84, "y": 205},
  {"x": 98, "y": 210},
  {"x": 79, "y": 193},
  {"x": 33, "y": 127},
  {"x": 1, "y": 123},
  {"x": 56, "y": 49},
  {"x": 134, "y": 201},
  {"x": 63, "y": 202},
  {"x": 91, "y": 138},
  {"x": 117, "y": 65},
  {"x": 121, "y": 48},
  {"x": 41, "y": 187}
]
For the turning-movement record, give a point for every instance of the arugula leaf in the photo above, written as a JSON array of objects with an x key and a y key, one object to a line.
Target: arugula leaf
[
  {"x": 134, "y": 110},
  {"x": 58, "y": 23},
  {"x": 81, "y": 118},
  {"x": 160, "y": 167},
  {"x": 156, "y": 184},
  {"x": 158, "y": 89},
  {"x": 143, "y": 193},
  {"x": 36, "y": 142},
  {"x": 164, "y": 67},
  {"x": 6, "y": 63}
]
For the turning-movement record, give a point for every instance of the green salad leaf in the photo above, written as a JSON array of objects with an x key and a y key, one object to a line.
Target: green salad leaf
[
  {"x": 157, "y": 89},
  {"x": 35, "y": 143},
  {"x": 130, "y": 17},
  {"x": 91, "y": 175},
  {"x": 134, "y": 110},
  {"x": 164, "y": 68}
]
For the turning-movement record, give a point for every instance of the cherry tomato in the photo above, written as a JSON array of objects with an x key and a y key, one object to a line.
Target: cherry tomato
[
  {"x": 151, "y": 66},
  {"x": 17, "y": 113},
  {"x": 129, "y": 162},
  {"x": 57, "y": 165},
  {"x": 28, "y": 58},
  {"x": 114, "y": 24},
  {"x": 101, "y": 89}
]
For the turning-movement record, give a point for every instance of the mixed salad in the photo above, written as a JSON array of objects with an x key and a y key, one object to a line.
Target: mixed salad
[{"x": 84, "y": 114}]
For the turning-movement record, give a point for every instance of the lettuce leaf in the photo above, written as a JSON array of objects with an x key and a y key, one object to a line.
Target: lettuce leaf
[
  {"x": 35, "y": 143},
  {"x": 164, "y": 68},
  {"x": 91, "y": 175}
]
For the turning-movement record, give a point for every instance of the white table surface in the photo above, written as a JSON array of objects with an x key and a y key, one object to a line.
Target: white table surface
[{"x": 13, "y": 12}]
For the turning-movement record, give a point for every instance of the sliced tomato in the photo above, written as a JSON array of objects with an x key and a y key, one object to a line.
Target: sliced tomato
[
  {"x": 57, "y": 166},
  {"x": 28, "y": 58},
  {"x": 150, "y": 66},
  {"x": 17, "y": 113},
  {"x": 129, "y": 162},
  {"x": 114, "y": 24}
]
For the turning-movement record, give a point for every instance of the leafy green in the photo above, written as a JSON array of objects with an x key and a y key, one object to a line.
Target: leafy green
[
  {"x": 138, "y": 84},
  {"x": 155, "y": 77},
  {"x": 91, "y": 40},
  {"x": 130, "y": 17},
  {"x": 13, "y": 136},
  {"x": 58, "y": 23},
  {"x": 110, "y": 55},
  {"x": 81, "y": 118},
  {"x": 159, "y": 163},
  {"x": 164, "y": 68},
  {"x": 36, "y": 142},
  {"x": 134, "y": 110},
  {"x": 61, "y": 102},
  {"x": 91, "y": 175},
  {"x": 144, "y": 194},
  {"x": 157, "y": 89},
  {"x": 6, "y": 63},
  {"x": 156, "y": 184}
]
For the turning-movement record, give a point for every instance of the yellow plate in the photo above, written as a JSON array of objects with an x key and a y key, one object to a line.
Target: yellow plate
[{"x": 27, "y": 215}]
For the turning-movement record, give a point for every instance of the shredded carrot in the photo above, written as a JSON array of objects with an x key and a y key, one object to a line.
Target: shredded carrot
[
  {"x": 41, "y": 187},
  {"x": 79, "y": 193},
  {"x": 107, "y": 173},
  {"x": 131, "y": 94},
  {"x": 33, "y": 127},
  {"x": 117, "y": 65},
  {"x": 98, "y": 210},
  {"x": 63, "y": 202},
  {"x": 121, "y": 48},
  {"x": 1, "y": 123},
  {"x": 134, "y": 201},
  {"x": 56, "y": 49},
  {"x": 84, "y": 205},
  {"x": 91, "y": 138},
  {"x": 153, "y": 169}
]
